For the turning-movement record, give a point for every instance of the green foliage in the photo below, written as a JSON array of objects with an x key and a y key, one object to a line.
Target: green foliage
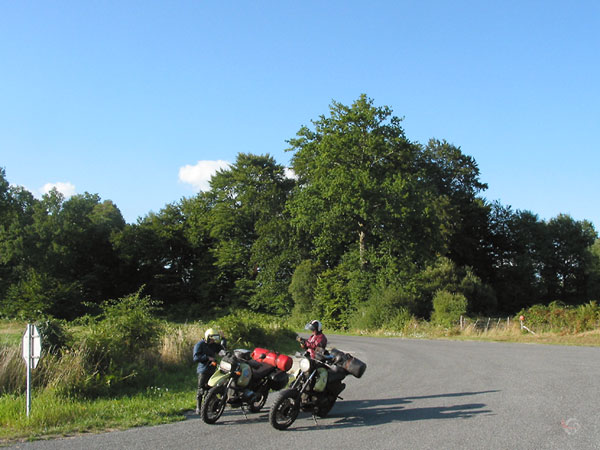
[
  {"x": 37, "y": 295},
  {"x": 249, "y": 233},
  {"x": 54, "y": 335},
  {"x": 302, "y": 290},
  {"x": 559, "y": 317},
  {"x": 124, "y": 329},
  {"x": 447, "y": 308},
  {"x": 367, "y": 206},
  {"x": 445, "y": 275},
  {"x": 246, "y": 329},
  {"x": 360, "y": 186},
  {"x": 387, "y": 308}
]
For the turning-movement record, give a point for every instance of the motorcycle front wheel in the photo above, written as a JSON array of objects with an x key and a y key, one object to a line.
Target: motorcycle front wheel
[
  {"x": 285, "y": 409},
  {"x": 214, "y": 404}
]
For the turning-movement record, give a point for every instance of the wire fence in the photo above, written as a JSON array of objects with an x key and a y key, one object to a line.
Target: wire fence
[{"x": 484, "y": 324}]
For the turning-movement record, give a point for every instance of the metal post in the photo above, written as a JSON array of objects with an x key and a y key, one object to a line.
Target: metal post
[{"x": 28, "y": 362}]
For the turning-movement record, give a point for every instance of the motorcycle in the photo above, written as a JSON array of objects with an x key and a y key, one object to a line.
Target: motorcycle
[
  {"x": 316, "y": 388},
  {"x": 242, "y": 381}
]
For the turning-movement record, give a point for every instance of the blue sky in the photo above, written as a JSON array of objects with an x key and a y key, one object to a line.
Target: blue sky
[{"x": 138, "y": 101}]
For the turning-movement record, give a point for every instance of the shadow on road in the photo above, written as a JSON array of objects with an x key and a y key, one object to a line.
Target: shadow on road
[{"x": 356, "y": 413}]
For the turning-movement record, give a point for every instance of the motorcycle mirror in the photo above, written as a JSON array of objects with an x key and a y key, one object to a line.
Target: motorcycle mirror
[{"x": 224, "y": 343}]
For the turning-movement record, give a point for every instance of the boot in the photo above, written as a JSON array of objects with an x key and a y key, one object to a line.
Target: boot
[{"x": 198, "y": 404}]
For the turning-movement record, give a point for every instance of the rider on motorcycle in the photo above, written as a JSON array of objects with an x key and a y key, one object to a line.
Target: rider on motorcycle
[
  {"x": 316, "y": 340},
  {"x": 205, "y": 352}
]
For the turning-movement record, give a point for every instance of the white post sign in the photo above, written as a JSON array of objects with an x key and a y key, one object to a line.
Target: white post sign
[{"x": 32, "y": 350}]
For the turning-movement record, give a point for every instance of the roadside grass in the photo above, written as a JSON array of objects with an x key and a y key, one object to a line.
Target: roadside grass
[
  {"x": 11, "y": 332},
  {"x": 53, "y": 415},
  {"x": 512, "y": 333}
]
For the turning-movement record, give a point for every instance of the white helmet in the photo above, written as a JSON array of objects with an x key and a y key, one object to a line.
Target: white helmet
[
  {"x": 212, "y": 334},
  {"x": 314, "y": 325}
]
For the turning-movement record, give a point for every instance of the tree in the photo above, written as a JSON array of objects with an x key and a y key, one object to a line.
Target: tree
[
  {"x": 252, "y": 239},
  {"x": 456, "y": 176},
  {"x": 62, "y": 254},
  {"x": 16, "y": 214},
  {"x": 567, "y": 259},
  {"x": 361, "y": 185},
  {"x": 168, "y": 254}
]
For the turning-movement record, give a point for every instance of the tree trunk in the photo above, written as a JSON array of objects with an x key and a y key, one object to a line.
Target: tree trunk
[{"x": 361, "y": 244}]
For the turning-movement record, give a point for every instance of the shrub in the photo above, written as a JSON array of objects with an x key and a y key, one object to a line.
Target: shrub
[
  {"x": 447, "y": 308},
  {"x": 302, "y": 288},
  {"x": 386, "y": 308},
  {"x": 246, "y": 329},
  {"x": 53, "y": 334},
  {"x": 562, "y": 318}
]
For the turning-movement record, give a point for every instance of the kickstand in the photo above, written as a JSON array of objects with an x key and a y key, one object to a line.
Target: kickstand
[
  {"x": 244, "y": 412},
  {"x": 314, "y": 416}
]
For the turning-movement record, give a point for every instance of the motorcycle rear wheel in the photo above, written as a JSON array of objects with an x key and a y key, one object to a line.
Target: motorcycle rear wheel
[
  {"x": 213, "y": 404},
  {"x": 285, "y": 409}
]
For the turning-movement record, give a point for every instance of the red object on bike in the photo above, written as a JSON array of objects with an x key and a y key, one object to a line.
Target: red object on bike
[
  {"x": 282, "y": 362},
  {"x": 271, "y": 359},
  {"x": 258, "y": 352}
]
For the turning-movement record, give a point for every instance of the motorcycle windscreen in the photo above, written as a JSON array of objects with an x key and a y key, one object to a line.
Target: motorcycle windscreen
[
  {"x": 217, "y": 378},
  {"x": 246, "y": 375},
  {"x": 321, "y": 380}
]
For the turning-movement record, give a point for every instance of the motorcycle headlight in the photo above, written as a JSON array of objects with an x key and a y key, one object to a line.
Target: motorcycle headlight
[
  {"x": 225, "y": 366},
  {"x": 305, "y": 365}
]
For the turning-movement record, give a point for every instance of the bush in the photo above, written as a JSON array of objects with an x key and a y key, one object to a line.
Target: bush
[
  {"x": 447, "y": 308},
  {"x": 246, "y": 329},
  {"x": 53, "y": 334},
  {"x": 302, "y": 288},
  {"x": 387, "y": 308},
  {"x": 562, "y": 318}
]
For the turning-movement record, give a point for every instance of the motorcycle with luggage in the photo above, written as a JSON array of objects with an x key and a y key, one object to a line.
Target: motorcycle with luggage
[
  {"x": 243, "y": 380},
  {"x": 316, "y": 387}
]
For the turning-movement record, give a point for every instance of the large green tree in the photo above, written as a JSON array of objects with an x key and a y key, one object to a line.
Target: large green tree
[
  {"x": 362, "y": 184},
  {"x": 252, "y": 242}
]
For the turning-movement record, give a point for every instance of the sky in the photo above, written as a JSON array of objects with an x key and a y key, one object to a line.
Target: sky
[{"x": 141, "y": 101}]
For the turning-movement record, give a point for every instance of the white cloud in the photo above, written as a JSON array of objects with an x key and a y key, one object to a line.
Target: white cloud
[
  {"x": 67, "y": 189},
  {"x": 199, "y": 174}
]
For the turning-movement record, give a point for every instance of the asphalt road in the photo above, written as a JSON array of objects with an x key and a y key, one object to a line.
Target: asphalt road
[{"x": 415, "y": 394}]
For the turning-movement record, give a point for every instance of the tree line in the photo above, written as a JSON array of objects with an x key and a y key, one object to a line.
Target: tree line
[{"x": 370, "y": 227}]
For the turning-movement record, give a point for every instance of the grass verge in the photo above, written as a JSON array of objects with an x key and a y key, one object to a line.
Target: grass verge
[{"x": 53, "y": 415}]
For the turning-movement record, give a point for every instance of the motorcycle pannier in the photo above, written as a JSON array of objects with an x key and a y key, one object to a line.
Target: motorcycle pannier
[
  {"x": 355, "y": 366},
  {"x": 279, "y": 380}
]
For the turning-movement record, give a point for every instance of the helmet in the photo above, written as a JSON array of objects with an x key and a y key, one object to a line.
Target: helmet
[
  {"x": 211, "y": 333},
  {"x": 314, "y": 325}
]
